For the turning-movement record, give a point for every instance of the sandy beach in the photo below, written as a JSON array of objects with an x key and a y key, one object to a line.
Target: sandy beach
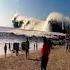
[{"x": 59, "y": 59}]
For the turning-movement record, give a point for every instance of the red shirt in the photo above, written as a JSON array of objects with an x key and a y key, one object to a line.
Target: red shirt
[{"x": 45, "y": 50}]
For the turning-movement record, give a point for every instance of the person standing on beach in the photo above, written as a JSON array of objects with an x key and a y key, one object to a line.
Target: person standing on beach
[
  {"x": 27, "y": 48},
  {"x": 16, "y": 48},
  {"x": 45, "y": 53},
  {"x": 9, "y": 47},
  {"x": 5, "y": 49},
  {"x": 67, "y": 42},
  {"x": 34, "y": 46}
]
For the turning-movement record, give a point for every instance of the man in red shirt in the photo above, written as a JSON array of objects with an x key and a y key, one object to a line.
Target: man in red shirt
[{"x": 45, "y": 52}]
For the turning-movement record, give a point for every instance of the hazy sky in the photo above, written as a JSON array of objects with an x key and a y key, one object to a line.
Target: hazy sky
[{"x": 34, "y": 8}]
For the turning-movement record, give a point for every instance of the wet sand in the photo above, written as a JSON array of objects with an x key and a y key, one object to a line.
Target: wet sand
[{"x": 59, "y": 59}]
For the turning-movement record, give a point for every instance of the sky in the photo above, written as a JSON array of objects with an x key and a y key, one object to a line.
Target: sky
[{"x": 33, "y": 8}]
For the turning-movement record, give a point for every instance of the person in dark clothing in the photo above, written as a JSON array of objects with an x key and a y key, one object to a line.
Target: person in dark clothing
[
  {"x": 5, "y": 49},
  {"x": 27, "y": 48},
  {"x": 45, "y": 53},
  {"x": 16, "y": 48},
  {"x": 67, "y": 46},
  {"x": 9, "y": 47},
  {"x": 67, "y": 42},
  {"x": 34, "y": 46},
  {"x": 23, "y": 45}
]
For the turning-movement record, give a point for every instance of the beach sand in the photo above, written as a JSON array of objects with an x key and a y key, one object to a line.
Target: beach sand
[{"x": 59, "y": 59}]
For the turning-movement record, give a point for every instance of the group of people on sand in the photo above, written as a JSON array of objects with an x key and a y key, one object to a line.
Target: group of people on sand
[
  {"x": 16, "y": 48},
  {"x": 45, "y": 51}
]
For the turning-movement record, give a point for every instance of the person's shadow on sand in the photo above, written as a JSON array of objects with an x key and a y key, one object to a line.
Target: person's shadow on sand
[{"x": 34, "y": 59}]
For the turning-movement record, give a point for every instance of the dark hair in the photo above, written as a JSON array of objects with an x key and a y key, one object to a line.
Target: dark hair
[
  {"x": 44, "y": 40},
  {"x": 27, "y": 38}
]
